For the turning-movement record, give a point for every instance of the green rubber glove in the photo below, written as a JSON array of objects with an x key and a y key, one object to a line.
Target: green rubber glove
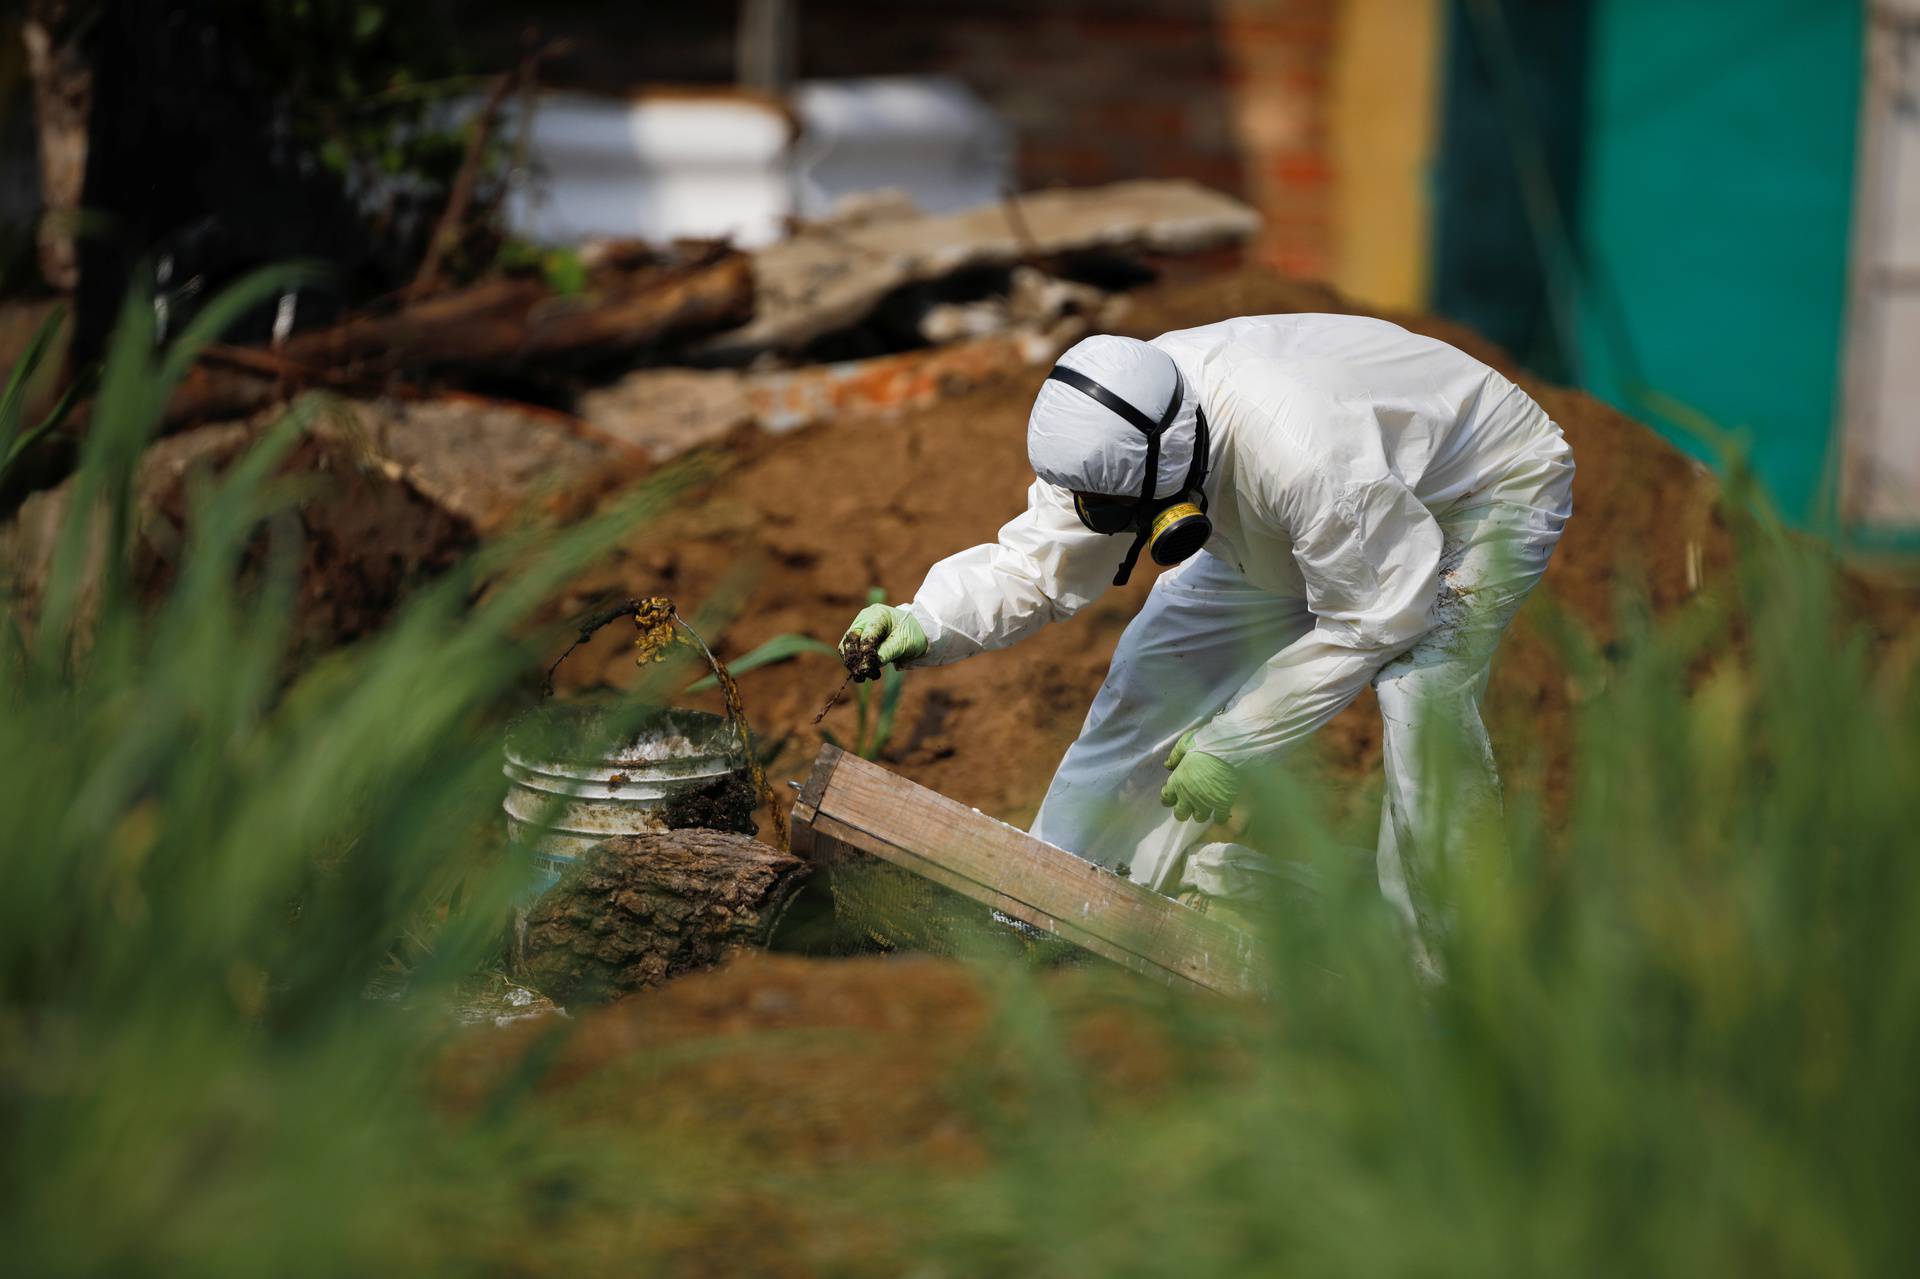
[
  {"x": 1202, "y": 787},
  {"x": 899, "y": 633}
]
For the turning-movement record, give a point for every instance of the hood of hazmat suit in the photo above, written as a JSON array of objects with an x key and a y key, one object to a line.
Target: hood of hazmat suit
[
  {"x": 1337, "y": 445},
  {"x": 1076, "y": 443}
]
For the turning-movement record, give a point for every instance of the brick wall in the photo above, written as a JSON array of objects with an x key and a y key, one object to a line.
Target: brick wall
[
  {"x": 1280, "y": 78},
  {"x": 1231, "y": 93}
]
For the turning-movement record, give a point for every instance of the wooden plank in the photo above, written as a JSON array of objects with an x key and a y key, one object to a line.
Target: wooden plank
[
  {"x": 800, "y": 840},
  {"x": 851, "y": 804},
  {"x": 1880, "y": 450}
]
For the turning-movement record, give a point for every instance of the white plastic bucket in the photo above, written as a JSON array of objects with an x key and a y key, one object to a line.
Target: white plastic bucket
[{"x": 682, "y": 768}]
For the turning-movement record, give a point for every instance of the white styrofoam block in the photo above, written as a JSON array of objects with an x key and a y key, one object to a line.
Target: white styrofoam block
[
  {"x": 654, "y": 168},
  {"x": 927, "y": 136},
  {"x": 737, "y": 165}
]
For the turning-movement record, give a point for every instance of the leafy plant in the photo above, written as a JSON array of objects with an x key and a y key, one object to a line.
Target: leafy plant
[
  {"x": 14, "y": 442},
  {"x": 358, "y": 79},
  {"x": 560, "y": 267},
  {"x": 782, "y": 648}
]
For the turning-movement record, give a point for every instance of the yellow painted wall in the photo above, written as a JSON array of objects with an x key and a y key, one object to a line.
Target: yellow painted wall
[{"x": 1384, "y": 119}]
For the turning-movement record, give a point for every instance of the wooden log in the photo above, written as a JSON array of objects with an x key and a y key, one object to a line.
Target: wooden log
[
  {"x": 55, "y": 34},
  {"x": 492, "y": 323},
  {"x": 518, "y": 318},
  {"x": 643, "y": 908},
  {"x": 850, "y": 807}
]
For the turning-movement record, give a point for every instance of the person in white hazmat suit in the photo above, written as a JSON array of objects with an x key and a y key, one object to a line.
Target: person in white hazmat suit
[{"x": 1346, "y": 502}]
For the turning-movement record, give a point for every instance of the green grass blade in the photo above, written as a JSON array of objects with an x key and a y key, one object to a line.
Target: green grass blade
[
  {"x": 12, "y": 400},
  {"x": 892, "y": 683},
  {"x": 781, "y": 648},
  {"x": 56, "y": 416}
]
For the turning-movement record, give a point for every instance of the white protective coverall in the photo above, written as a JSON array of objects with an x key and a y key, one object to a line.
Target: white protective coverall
[{"x": 1382, "y": 503}]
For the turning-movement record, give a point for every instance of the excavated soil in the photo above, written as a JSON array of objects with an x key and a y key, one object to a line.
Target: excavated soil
[
  {"x": 368, "y": 535},
  {"x": 727, "y": 804},
  {"x": 817, "y": 518},
  {"x": 872, "y": 1078},
  {"x": 733, "y": 1090}
]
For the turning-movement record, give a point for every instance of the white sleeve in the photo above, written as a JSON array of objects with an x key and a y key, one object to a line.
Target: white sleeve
[
  {"x": 1370, "y": 555},
  {"x": 1045, "y": 566}
]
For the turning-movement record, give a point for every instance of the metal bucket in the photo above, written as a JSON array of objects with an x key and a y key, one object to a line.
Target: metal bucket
[{"x": 682, "y": 768}]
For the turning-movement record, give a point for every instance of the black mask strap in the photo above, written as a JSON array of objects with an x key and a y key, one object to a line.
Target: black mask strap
[
  {"x": 1107, "y": 399},
  {"x": 1202, "y": 456},
  {"x": 1125, "y": 570}
]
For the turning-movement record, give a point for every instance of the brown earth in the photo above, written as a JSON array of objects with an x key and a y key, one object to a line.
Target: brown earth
[
  {"x": 391, "y": 495},
  {"x": 368, "y": 535},
  {"x": 817, "y": 518},
  {"x": 735, "y": 1090}
]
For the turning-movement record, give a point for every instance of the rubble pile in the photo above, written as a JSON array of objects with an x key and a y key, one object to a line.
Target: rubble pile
[
  {"x": 395, "y": 492},
  {"x": 447, "y": 417}
]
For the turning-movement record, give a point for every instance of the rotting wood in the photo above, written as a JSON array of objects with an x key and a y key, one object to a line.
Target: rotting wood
[
  {"x": 850, "y": 806},
  {"x": 485, "y": 325},
  {"x": 643, "y": 908}
]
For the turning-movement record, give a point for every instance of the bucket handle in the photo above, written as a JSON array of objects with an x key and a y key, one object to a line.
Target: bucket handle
[
  {"x": 659, "y": 607},
  {"x": 589, "y": 626}
]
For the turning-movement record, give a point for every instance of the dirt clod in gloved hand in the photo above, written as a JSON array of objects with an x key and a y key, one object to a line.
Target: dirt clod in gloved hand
[{"x": 861, "y": 656}]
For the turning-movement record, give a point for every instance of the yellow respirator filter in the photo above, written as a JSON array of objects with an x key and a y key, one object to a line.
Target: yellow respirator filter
[{"x": 1178, "y": 533}]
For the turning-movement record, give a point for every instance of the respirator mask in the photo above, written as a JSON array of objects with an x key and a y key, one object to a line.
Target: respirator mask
[{"x": 1171, "y": 529}]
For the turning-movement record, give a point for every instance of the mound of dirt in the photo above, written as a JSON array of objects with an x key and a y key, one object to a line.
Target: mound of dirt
[
  {"x": 819, "y": 517},
  {"x": 725, "y": 1085},
  {"x": 880, "y": 1032},
  {"x": 369, "y": 535}
]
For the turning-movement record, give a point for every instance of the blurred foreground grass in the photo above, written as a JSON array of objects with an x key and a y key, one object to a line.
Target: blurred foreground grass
[
  {"x": 1680, "y": 1034},
  {"x": 208, "y": 861}
]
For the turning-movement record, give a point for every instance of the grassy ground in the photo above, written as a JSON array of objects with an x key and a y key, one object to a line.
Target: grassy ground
[{"x": 1678, "y": 1033}]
